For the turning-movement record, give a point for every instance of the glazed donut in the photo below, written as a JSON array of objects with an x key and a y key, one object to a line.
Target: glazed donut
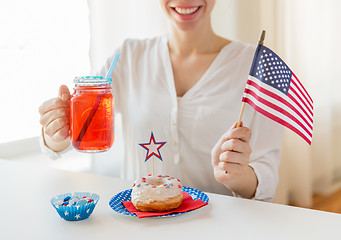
[{"x": 156, "y": 193}]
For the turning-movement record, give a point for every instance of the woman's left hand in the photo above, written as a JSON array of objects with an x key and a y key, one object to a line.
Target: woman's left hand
[{"x": 231, "y": 156}]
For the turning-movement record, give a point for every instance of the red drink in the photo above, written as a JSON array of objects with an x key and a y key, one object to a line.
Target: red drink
[{"x": 92, "y": 116}]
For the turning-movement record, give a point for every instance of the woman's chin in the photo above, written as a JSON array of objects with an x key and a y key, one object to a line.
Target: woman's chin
[{"x": 185, "y": 27}]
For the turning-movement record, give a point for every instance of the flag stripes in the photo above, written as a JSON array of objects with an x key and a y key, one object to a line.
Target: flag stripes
[
  {"x": 279, "y": 107},
  {"x": 277, "y": 119}
]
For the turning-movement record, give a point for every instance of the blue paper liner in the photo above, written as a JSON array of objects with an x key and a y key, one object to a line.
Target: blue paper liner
[
  {"x": 75, "y": 213},
  {"x": 116, "y": 201}
]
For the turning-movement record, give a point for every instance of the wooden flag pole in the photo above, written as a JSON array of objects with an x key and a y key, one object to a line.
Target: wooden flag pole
[
  {"x": 260, "y": 42},
  {"x": 153, "y": 165}
]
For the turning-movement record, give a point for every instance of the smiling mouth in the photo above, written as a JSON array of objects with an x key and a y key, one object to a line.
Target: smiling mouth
[{"x": 187, "y": 10}]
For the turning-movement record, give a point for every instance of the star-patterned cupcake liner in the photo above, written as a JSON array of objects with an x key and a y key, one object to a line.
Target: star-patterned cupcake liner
[{"x": 75, "y": 207}]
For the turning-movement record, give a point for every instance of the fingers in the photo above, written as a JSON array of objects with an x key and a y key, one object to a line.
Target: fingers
[
  {"x": 59, "y": 135},
  {"x": 242, "y": 133},
  {"x": 56, "y": 125},
  {"x": 62, "y": 133},
  {"x": 236, "y": 145},
  {"x": 237, "y": 148},
  {"x": 234, "y": 157},
  {"x": 232, "y": 168},
  {"x": 63, "y": 101},
  {"x": 54, "y": 114},
  {"x": 233, "y": 149},
  {"x": 52, "y": 104},
  {"x": 64, "y": 93}
]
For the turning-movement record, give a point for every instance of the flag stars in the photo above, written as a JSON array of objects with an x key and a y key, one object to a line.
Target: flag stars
[{"x": 271, "y": 69}]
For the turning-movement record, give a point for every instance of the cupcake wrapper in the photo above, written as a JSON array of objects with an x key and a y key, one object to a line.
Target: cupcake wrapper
[{"x": 75, "y": 213}]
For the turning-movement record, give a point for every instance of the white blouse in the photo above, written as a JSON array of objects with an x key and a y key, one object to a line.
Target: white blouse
[{"x": 145, "y": 95}]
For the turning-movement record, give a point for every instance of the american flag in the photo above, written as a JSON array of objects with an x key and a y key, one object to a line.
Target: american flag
[{"x": 274, "y": 90}]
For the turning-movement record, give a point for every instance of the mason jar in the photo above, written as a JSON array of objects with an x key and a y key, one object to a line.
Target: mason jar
[{"x": 92, "y": 114}]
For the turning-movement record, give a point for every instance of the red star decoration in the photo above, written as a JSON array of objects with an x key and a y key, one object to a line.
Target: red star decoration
[{"x": 153, "y": 148}]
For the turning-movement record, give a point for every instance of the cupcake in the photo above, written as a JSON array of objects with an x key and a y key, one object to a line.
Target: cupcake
[{"x": 75, "y": 207}]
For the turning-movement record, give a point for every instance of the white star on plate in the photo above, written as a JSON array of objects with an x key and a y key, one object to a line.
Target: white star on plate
[
  {"x": 87, "y": 211},
  {"x": 77, "y": 216},
  {"x": 66, "y": 213}
]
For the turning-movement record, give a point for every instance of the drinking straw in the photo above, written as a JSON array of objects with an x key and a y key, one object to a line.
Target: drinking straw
[
  {"x": 96, "y": 105},
  {"x": 112, "y": 66}
]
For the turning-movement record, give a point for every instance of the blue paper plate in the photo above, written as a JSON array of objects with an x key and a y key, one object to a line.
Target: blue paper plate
[{"x": 116, "y": 201}]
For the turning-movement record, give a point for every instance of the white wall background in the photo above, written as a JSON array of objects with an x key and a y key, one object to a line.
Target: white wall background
[{"x": 42, "y": 44}]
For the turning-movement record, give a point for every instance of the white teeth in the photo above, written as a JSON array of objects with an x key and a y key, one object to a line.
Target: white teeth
[{"x": 186, "y": 11}]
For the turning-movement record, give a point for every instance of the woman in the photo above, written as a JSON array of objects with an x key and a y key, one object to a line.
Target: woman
[{"x": 186, "y": 88}]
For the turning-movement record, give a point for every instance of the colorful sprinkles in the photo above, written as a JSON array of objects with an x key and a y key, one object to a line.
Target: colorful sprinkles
[
  {"x": 69, "y": 201},
  {"x": 166, "y": 185}
]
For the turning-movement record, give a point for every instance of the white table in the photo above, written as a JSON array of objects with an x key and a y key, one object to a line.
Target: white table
[{"x": 26, "y": 213}]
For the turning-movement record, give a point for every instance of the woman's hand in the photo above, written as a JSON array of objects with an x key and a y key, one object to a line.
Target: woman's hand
[
  {"x": 230, "y": 159},
  {"x": 55, "y": 119}
]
